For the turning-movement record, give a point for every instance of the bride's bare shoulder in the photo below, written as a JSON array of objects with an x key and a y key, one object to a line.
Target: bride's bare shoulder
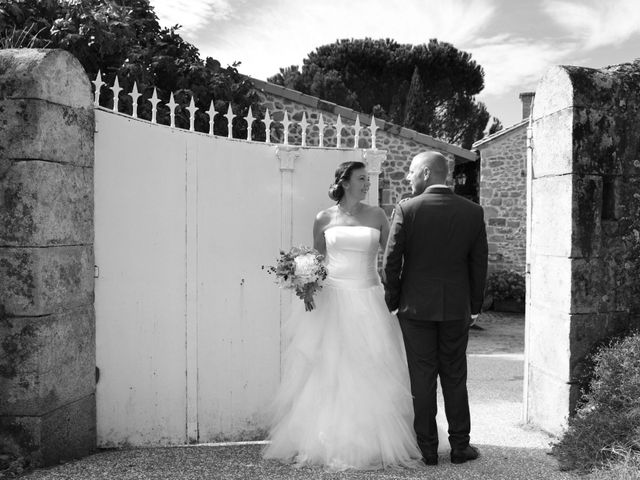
[{"x": 323, "y": 217}]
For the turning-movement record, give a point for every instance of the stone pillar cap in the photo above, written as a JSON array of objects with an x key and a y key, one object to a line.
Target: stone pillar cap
[{"x": 46, "y": 74}]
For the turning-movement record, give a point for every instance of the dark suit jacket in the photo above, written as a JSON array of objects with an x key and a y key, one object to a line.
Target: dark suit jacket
[{"x": 435, "y": 262}]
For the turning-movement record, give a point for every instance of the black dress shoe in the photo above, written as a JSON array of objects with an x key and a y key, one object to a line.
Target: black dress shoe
[
  {"x": 431, "y": 459},
  {"x": 465, "y": 454}
]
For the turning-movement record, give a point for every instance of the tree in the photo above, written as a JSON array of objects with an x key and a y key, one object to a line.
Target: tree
[
  {"x": 496, "y": 126},
  {"x": 414, "y": 106},
  {"x": 432, "y": 86},
  {"x": 290, "y": 77},
  {"x": 124, "y": 38}
]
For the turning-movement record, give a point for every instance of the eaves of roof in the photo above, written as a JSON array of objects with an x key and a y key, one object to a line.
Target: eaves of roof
[
  {"x": 500, "y": 133},
  {"x": 347, "y": 113}
]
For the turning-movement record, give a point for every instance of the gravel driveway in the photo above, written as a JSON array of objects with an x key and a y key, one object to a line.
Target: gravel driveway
[{"x": 509, "y": 450}]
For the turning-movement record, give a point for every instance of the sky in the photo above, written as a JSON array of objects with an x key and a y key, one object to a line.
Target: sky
[{"x": 515, "y": 41}]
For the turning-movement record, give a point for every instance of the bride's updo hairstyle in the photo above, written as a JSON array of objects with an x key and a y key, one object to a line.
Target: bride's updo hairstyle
[{"x": 343, "y": 174}]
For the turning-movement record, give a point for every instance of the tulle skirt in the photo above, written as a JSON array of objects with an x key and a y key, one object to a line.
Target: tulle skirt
[{"x": 345, "y": 399}]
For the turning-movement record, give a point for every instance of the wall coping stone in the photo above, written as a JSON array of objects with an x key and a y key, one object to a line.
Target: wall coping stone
[
  {"x": 27, "y": 74},
  {"x": 567, "y": 86}
]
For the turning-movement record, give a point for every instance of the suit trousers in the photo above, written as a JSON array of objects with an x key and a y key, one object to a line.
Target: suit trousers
[{"x": 438, "y": 349}]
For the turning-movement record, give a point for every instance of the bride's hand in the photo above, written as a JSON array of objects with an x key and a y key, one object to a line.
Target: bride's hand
[{"x": 309, "y": 305}]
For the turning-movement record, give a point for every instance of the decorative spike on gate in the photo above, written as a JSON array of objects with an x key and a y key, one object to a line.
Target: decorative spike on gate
[
  {"x": 212, "y": 114},
  {"x": 172, "y": 109},
  {"x": 192, "y": 114},
  {"x": 304, "y": 124},
  {"x": 267, "y": 126},
  {"x": 98, "y": 83},
  {"x": 285, "y": 124},
  {"x": 134, "y": 100},
  {"x": 356, "y": 128},
  {"x": 373, "y": 129},
  {"x": 154, "y": 105},
  {"x": 229, "y": 116},
  {"x": 249, "y": 118},
  {"x": 321, "y": 131},
  {"x": 338, "y": 131},
  {"x": 116, "y": 93}
]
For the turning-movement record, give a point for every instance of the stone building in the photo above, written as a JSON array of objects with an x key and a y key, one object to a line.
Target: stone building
[
  {"x": 503, "y": 191},
  {"x": 400, "y": 143}
]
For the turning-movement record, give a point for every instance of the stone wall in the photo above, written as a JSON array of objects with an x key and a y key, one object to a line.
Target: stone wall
[
  {"x": 47, "y": 324},
  {"x": 585, "y": 228},
  {"x": 401, "y": 144},
  {"x": 503, "y": 194}
]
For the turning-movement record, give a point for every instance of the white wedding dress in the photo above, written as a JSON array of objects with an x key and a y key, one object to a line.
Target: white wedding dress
[{"x": 344, "y": 399}]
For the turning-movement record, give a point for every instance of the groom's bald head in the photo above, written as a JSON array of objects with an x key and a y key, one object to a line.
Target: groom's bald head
[{"x": 436, "y": 163}]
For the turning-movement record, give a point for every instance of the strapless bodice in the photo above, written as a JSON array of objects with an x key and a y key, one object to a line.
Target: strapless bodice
[{"x": 352, "y": 256}]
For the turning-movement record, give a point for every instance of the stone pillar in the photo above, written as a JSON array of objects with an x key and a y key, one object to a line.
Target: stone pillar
[
  {"x": 47, "y": 324},
  {"x": 585, "y": 223}
]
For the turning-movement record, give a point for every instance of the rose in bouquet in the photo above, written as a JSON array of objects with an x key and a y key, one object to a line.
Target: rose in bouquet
[{"x": 302, "y": 270}]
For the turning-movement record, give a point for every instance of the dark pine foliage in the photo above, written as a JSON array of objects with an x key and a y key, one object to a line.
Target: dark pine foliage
[{"x": 429, "y": 87}]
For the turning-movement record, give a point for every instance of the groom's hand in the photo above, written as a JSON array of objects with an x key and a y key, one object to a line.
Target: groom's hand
[{"x": 473, "y": 322}]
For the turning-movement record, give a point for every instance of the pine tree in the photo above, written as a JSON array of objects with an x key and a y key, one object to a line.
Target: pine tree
[
  {"x": 414, "y": 105},
  {"x": 376, "y": 76}
]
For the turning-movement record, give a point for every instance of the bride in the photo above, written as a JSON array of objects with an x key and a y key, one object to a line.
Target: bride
[{"x": 345, "y": 399}]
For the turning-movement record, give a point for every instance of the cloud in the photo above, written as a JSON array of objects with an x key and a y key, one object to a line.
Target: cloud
[
  {"x": 596, "y": 23},
  {"x": 265, "y": 36},
  {"x": 515, "y": 63},
  {"x": 193, "y": 15}
]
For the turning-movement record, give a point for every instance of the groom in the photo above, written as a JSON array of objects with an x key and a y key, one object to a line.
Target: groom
[{"x": 434, "y": 271}]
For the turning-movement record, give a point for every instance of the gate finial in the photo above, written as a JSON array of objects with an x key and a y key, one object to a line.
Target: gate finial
[
  {"x": 154, "y": 100},
  {"x": 98, "y": 86},
  {"x": 134, "y": 100}
]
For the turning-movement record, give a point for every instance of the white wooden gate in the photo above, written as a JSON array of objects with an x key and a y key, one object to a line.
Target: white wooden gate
[{"x": 187, "y": 322}]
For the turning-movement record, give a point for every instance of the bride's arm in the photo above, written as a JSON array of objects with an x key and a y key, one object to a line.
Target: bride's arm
[
  {"x": 318, "y": 233},
  {"x": 384, "y": 228}
]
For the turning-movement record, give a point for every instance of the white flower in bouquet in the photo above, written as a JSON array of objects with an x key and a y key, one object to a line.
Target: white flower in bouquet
[{"x": 306, "y": 267}]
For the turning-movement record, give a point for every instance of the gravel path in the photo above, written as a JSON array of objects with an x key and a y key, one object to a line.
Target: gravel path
[{"x": 509, "y": 450}]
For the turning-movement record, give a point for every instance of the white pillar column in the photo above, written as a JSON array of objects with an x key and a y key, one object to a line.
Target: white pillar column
[
  {"x": 373, "y": 159},
  {"x": 287, "y": 157}
]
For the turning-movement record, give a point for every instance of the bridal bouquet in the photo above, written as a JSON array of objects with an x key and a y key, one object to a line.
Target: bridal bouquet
[{"x": 302, "y": 270}]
